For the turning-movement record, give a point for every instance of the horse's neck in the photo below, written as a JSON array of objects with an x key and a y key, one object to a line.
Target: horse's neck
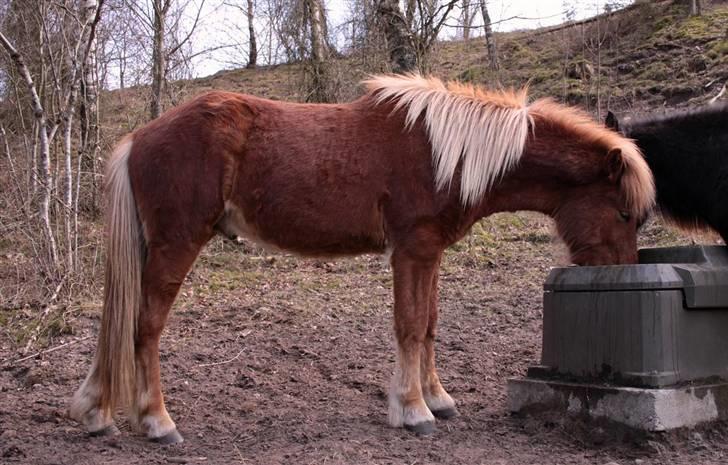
[{"x": 518, "y": 194}]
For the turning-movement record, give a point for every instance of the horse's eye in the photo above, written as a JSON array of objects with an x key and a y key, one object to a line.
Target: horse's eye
[{"x": 625, "y": 216}]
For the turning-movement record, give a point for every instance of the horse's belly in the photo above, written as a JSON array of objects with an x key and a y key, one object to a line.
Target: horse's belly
[{"x": 298, "y": 226}]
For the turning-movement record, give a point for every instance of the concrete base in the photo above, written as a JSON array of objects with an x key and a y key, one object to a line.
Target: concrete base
[{"x": 643, "y": 409}]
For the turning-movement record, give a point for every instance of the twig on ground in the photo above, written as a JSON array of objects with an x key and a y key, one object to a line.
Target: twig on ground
[
  {"x": 722, "y": 91},
  {"x": 43, "y": 352},
  {"x": 245, "y": 333},
  {"x": 223, "y": 362},
  {"x": 48, "y": 307}
]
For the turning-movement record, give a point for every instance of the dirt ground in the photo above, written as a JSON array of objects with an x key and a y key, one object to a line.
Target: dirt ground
[{"x": 273, "y": 359}]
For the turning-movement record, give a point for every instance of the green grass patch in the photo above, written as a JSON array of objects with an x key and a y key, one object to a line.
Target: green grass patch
[{"x": 230, "y": 279}]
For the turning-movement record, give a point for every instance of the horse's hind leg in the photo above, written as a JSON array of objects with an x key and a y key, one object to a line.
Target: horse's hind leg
[
  {"x": 86, "y": 406},
  {"x": 413, "y": 278},
  {"x": 165, "y": 269},
  {"x": 437, "y": 399}
]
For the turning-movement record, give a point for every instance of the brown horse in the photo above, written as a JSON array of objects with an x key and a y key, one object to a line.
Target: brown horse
[{"x": 405, "y": 170}]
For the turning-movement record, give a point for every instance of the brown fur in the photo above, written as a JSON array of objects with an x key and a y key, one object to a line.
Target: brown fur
[{"x": 327, "y": 180}]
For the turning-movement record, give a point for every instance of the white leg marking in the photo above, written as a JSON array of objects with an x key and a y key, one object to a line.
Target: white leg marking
[
  {"x": 84, "y": 406},
  {"x": 399, "y": 413},
  {"x": 440, "y": 401},
  {"x": 154, "y": 425}
]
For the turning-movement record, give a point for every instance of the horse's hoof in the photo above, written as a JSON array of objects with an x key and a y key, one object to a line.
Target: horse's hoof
[
  {"x": 445, "y": 413},
  {"x": 110, "y": 430},
  {"x": 173, "y": 437},
  {"x": 422, "y": 429}
]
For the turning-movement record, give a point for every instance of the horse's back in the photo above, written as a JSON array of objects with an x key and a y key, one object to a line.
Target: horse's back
[{"x": 688, "y": 154}]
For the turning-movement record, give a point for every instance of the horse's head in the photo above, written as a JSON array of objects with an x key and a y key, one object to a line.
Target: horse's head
[
  {"x": 597, "y": 220},
  {"x": 605, "y": 188}
]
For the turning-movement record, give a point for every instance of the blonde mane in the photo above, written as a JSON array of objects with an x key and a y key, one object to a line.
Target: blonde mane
[
  {"x": 487, "y": 132},
  {"x": 637, "y": 182}
]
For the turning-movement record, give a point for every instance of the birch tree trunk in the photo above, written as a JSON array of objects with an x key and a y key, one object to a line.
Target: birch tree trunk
[
  {"x": 43, "y": 152},
  {"x": 253, "y": 52},
  {"x": 402, "y": 54},
  {"x": 319, "y": 51},
  {"x": 467, "y": 19},
  {"x": 68, "y": 210},
  {"x": 695, "y": 8},
  {"x": 122, "y": 64},
  {"x": 489, "y": 38},
  {"x": 159, "y": 65},
  {"x": 318, "y": 28},
  {"x": 89, "y": 112}
]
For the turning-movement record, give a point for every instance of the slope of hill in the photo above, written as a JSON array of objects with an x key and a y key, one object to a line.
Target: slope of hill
[{"x": 651, "y": 55}]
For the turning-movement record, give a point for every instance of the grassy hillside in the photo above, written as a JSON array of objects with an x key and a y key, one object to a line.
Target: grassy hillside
[{"x": 651, "y": 55}]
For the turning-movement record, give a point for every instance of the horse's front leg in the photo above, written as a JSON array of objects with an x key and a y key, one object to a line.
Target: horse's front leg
[
  {"x": 437, "y": 399},
  {"x": 412, "y": 287}
]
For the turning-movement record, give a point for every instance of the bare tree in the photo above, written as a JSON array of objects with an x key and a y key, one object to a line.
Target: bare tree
[
  {"x": 123, "y": 46},
  {"x": 367, "y": 42},
  {"x": 399, "y": 40},
  {"x": 89, "y": 116},
  {"x": 162, "y": 22},
  {"x": 318, "y": 27},
  {"x": 695, "y": 8},
  {"x": 316, "y": 18},
  {"x": 410, "y": 12},
  {"x": 253, "y": 51},
  {"x": 65, "y": 40},
  {"x": 466, "y": 18},
  {"x": 45, "y": 131},
  {"x": 489, "y": 37},
  {"x": 302, "y": 33},
  {"x": 159, "y": 57},
  {"x": 421, "y": 29}
]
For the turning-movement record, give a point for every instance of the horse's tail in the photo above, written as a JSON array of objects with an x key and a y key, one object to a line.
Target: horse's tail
[{"x": 125, "y": 254}]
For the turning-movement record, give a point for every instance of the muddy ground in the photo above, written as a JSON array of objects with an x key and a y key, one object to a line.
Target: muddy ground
[{"x": 272, "y": 359}]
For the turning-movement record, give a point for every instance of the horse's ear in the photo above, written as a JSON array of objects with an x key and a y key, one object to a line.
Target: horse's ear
[
  {"x": 611, "y": 121},
  {"x": 614, "y": 165}
]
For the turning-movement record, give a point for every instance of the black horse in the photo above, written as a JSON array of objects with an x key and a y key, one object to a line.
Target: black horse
[{"x": 688, "y": 154}]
